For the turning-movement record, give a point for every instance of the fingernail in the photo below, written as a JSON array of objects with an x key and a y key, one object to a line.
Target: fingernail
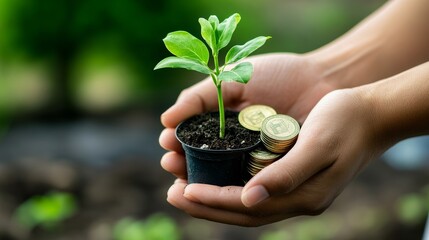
[
  {"x": 179, "y": 180},
  {"x": 254, "y": 195}
]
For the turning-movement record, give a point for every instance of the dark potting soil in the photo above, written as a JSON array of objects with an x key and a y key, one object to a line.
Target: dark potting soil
[{"x": 202, "y": 131}]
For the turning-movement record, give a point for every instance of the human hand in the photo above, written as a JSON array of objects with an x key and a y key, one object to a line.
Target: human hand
[
  {"x": 291, "y": 84},
  {"x": 336, "y": 141},
  {"x": 275, "y": 75}
]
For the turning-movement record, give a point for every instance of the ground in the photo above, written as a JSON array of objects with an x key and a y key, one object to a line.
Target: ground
[{"x": 112, "y": 168}]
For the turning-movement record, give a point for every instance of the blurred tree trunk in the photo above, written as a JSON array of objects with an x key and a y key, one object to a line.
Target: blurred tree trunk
[{"x": 65, "y": 108}]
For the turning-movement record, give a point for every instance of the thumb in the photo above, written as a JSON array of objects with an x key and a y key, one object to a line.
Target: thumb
[
  {"x": 194, "y": 100},
  {"x": 287, "y": 173}
]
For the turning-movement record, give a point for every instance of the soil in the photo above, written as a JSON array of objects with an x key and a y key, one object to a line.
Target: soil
[{"x": 202, "y": 131}]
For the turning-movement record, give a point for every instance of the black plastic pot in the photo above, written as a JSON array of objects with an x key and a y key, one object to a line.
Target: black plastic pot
[{"x": 215, "y": 167}]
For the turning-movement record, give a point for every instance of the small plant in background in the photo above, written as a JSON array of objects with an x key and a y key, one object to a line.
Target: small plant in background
[
  {"x": 156, "y": 227},
  {"x": 413, "y": 208},
  {"x": 46, "y": 211},
  {"x": 192, "y": 54}
]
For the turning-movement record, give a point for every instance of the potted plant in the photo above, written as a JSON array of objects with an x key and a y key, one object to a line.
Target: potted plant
[{"x": 216, "y": 160}]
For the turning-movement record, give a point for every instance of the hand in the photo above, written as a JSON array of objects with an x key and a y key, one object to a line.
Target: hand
[
  {"x": 335, "y": 143},
  {"x": 293, "y": 84}
]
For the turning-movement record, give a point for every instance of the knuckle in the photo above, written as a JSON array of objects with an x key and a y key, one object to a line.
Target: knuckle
[
  {"x": 191, "y": 97},
  {"x": 184, "y": 94},
  {"x": 284, "y": 180}
]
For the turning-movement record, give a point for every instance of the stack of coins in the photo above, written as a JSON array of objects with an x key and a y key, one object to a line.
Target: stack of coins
[
  {"x": 260, "y": 158},
  {"x": 279, "y": 132},
  {"x": 252, "y": 116}
]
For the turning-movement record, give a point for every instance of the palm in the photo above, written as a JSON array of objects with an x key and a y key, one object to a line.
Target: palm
[
  {"x": 289, "y": 83},
  {"x": 286, "y": 82}
]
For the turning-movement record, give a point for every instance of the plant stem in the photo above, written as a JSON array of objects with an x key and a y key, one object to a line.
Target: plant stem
[
  {"x": 218, "y": 84},
  {"x": 221, "y": 112}
]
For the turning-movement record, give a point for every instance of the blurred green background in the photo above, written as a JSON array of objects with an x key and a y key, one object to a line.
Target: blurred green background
[
  {"x": 85, "y": 57},
  {"x": 79, "y": 121}
]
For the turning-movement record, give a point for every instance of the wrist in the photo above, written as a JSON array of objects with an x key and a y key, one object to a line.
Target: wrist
[
  {"x": 350, "y": 64},
  {"x": 398, "y": 105},
  {"x": 369, "y": 100}
]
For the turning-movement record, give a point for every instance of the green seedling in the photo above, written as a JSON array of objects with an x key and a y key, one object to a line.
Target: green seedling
[
  {"x": 192, "y": 54},
  {"x": 46, "y": 211},
  {"x": 156, "y": 227}
]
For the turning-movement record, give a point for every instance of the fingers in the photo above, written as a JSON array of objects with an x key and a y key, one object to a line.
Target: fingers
[
  {"x": 177, "y": 199},
  {"x": 284, "y": 175},
  {"x": 174, "y": 163},
  {"x": 168, "y": 141},
  {"x": 311, "y": 198},
  {"x": 181, "y": 180},
  {"x": 197, "y": 99},
  {"x": 214, "y": 196},
  {"x": 229, "y": 199}
]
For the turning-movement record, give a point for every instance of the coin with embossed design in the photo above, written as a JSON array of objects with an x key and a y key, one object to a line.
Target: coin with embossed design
[{"x": 252, "y": 116}]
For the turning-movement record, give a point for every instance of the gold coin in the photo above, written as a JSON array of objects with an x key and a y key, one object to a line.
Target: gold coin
[
  {"x": 252, "y": 116},
  {"x": 279, "y": 133},
  {"x": 280, "y": 127},
  {"x": 262, "y": 155},
  {"x": 259, "y": 159}
]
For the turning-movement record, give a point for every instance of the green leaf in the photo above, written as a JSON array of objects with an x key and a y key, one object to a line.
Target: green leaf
[
  {"x": 214, "y": 21},
  {"x": 184, "y": 45},
  {"x": 190, "y": 64},
  {"x": 240, "y": 73},
  {"x": 208, "y": 33},
  {"x": 157, "y": 227},
  {"x": 225, "y": 30},
  {"x": 239, "y": 52},
  {"x": 46, "y": 210}
]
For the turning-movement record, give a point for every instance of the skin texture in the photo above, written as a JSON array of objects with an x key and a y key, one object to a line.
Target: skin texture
[{"x": 355, "y": 97}]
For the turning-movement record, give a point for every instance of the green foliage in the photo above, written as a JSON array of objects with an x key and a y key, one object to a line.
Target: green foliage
[
  {"x": 103, "y": 78},
  {"x": 176, "y": 62},
  {"x": 156, "y": 227},
  {"x": 58, "y": 31},
  {"x": 224, "y": 30},
  {"x": 192, "y": 54},
  {"x": 237, "y": 53},
  {"x": 184, "y": 45},
  {"x": 276, "y": 235},
  {"x": 412, "y": 208},
  {"x": 324, "y": 227},
  {"x": 240, "y": 73},
  {"x": 46, "y": 211}
]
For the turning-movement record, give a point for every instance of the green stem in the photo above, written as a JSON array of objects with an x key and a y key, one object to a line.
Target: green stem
[
  {"x": 221, "y": 112},
  {"x": 218, "y": 84},
  {"x": 216, "y": 63}
]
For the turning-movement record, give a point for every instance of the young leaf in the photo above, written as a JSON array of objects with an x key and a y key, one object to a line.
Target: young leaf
[
  {"x": 240, "y": 73},
  {"x": 214, "y": 21},
  {"x": 225, "y": 30},
  {"x": 208, "y": 33},
  {"x": 185, "y": 45},
  {"x": 190, "y": 64},
  {"x": 239, "y": 52}
]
